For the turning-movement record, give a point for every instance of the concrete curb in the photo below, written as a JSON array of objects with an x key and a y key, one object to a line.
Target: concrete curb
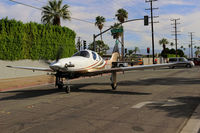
[{"x": 193, "y": 124}]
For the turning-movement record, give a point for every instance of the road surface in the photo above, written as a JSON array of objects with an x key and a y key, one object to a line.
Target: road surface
[{"x": 149, "y": 101}]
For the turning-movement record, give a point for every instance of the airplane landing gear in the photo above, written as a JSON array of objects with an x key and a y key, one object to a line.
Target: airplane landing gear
[
  {"x": 59, "y": 83},
  {"x": 67, "y": 88},
  {"x": 113, "y": 79},
  {"x": 114, "y": 86}
]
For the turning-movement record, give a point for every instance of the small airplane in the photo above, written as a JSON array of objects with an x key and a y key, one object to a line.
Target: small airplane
[{"x": 87, "y": 63}]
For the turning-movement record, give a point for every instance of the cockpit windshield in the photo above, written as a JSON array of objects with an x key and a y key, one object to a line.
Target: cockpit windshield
[{"x": 83, "y": 54}]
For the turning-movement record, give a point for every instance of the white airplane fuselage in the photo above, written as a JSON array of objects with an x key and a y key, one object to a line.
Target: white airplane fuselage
[{"x": 87, "y": 62}]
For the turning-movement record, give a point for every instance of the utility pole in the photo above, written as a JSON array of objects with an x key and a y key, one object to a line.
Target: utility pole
[
  {"x": 152, "y": 28},
  {"x": 175, "y": 32},
  {"x": 191, "y": 43},
  {"x": 78, "y": 45}
]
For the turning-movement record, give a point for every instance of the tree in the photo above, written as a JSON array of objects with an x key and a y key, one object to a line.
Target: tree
[
  {"x": 130, "y": 52},
  {"x": 197, "y": 52},
  {"x": 53, "y": 12},
  {"x": 122, "y": 15},
  {"x": 182, "y": 47},
  {"x": 100, "y": 20},
  {"x": 135, "y": 50},
  {"x": 101, "y": 46},
  {"x": 163, "y": 42},
  {"x": 171, "y": 44}
]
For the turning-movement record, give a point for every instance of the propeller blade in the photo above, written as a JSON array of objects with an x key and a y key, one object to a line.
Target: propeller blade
[{"x": 59, "y": 53}]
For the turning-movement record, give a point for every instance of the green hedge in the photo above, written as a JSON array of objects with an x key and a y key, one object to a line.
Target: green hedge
[{"x": 34, "y": 41}]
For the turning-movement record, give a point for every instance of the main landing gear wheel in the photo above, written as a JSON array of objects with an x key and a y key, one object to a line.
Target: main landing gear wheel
[
  {"x": 60, "y": 86},
  {"x": 114, "y": 86},
  {"x": 67, "y": 89}
]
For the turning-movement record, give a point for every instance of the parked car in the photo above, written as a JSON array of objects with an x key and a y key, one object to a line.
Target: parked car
[
  {"x": 195, "y": 60},
  {"x": 181, "y": 62}
]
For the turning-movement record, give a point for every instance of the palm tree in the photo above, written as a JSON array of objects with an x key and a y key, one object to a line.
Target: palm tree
[
  {"x": 136, "y": 49},
  {"x": 197, "y": 52},
  {"x": 182, "y": 47},
  {"x": 100, "y": 20},
  {"x": 171, "y": 44},
  {"x": 53, "y": 12},
  {"x": 122, "y": 15},
  {"x": 163, "y": 42}
]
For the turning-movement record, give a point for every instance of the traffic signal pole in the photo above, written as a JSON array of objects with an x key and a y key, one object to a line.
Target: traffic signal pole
[{"x": 95, "y": 36}]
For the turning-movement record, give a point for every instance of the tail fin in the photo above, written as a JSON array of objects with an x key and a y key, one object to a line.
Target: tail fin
[{"x": 115, "y": 53}]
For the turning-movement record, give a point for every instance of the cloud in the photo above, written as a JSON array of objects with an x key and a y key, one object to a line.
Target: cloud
[
  {"x": 136, "y": 34},
  {"x": 173, "y": 2}
]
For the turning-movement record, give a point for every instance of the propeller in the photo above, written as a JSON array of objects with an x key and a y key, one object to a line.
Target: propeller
[{"x": 59, "y": 53}]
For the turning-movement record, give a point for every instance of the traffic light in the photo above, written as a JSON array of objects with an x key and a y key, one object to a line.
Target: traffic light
[
  {"x": 148, "y": 50},
  {"x": 84, "y": 44},
  {"x": 125, "y": 50},
  {"x": 146, "y": 20}
]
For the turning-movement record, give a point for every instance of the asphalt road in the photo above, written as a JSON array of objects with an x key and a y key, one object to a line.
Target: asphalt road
[{"x": 150, "y": 101}]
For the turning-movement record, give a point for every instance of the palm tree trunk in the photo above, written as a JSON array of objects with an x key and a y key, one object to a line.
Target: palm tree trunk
[
  {"x": 101, "y": 41},
  {"x": 122, "y": 48},
  {"x": 101, "y": 35}
]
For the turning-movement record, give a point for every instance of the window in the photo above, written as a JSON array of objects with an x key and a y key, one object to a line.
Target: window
[
  {"x": 83, "y": 54},
  {"x": 94, "y": 56},
  {"x": 172, "y": 59}
]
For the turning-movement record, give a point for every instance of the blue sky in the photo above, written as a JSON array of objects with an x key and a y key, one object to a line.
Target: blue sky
[{"x": 136, "y": 34}]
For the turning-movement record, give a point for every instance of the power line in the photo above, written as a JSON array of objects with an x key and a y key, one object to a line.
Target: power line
[{"x": 42, "y": 10}]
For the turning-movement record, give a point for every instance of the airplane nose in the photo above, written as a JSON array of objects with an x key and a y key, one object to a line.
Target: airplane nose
[{"x": 55, "y": 66}]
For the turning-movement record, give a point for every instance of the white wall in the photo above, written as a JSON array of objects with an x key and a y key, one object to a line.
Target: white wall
[{"x": 6, "y": 72}]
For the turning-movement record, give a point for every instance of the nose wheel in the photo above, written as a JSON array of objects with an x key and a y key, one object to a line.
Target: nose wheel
[
  {"x": 67, "y": 89},
  {"x": 113, "y": 79},
  {"x": 59, "y": 83}
]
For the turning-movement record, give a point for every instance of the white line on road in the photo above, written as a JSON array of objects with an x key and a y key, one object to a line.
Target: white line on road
[{"x": 140, "y": 105}]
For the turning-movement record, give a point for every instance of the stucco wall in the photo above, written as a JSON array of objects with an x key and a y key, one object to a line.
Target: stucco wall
[{"x": 6, "y": 72}]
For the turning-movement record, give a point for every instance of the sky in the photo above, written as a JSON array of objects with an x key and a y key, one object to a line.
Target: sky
[{"x": 136, "y": 34}]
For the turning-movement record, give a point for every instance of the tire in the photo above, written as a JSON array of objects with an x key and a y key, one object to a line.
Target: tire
[
  {"x": 67, "y": 89},
  {"x": 121, "y": 65},
  {"x": 114, "y": 87},
  {"x": 188, "y": 66},
  {"x": 172, "y": 67},
  {"x": 60, "y": 86}
]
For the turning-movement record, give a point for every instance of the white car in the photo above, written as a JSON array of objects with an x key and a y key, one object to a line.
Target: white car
[{"x": 181, "y": 62}]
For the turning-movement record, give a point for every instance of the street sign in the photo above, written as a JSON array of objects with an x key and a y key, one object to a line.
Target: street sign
[{"x": 117, "y": 30}]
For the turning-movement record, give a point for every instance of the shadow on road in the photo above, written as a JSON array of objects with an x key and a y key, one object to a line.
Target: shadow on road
[
  {"x": 162, "y": 81},
  {"x": 23, "y": 94},
  {"x": 185, "y": 109}
]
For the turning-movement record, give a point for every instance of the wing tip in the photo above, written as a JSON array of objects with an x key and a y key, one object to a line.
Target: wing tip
[{"x": 8, "y": 66}]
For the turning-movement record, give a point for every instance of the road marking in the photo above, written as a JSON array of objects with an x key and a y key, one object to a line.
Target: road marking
[
  {"x": 172, "y": 103},
  {"x": 140, "y": 105},
  {"x": 193, "y": 124},
  {"x": 167, "y": 103}
]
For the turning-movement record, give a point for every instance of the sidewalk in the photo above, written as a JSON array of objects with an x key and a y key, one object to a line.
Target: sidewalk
[{"x": 22, "y": 82}]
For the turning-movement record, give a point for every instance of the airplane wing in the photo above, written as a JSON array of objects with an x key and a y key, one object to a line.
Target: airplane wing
[
  {"x": 121, "y": 69},
  {"x": 32, "y": 68}
]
